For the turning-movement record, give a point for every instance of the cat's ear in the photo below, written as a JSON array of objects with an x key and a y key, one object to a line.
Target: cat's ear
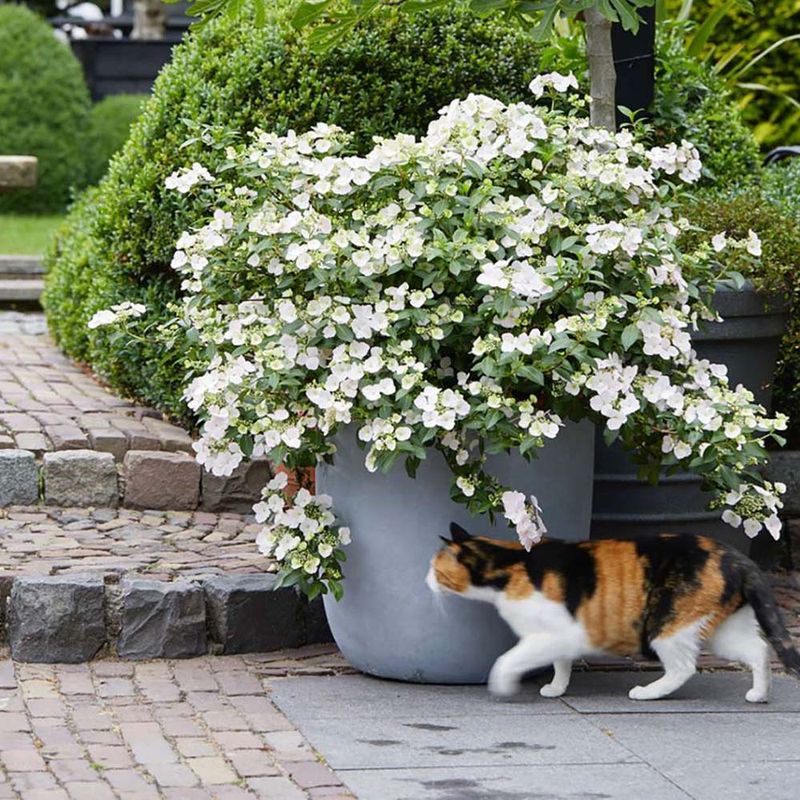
[
  {"x": 458, "y": 533},
  {"x": 446, "y": 540}
]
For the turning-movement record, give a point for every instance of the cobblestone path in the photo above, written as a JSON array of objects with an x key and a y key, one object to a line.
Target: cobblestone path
[
  {"x": 49, "y": 403},
  {"x": 181, "y": 730},
  {"x": 160, "y": 545}
]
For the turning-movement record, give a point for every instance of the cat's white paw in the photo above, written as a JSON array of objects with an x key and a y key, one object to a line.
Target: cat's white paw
[
  {"x": 501, "y": 684},
  {"x": 640, "y": 693},
  {"x": 756, "y": 696},
  {"x": 551, "y": 690}
]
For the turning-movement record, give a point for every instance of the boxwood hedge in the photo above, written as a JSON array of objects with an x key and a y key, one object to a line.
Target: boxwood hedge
[
  {"x": 44, "y": 109},
  {"x": 391, "y": 75}
]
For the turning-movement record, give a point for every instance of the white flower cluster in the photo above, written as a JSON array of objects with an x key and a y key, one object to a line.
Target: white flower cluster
[
  {"x": 301, "y": 535},
  {"x": 183, "y": 180},
  {"x": 121, "y": 312},
  {"x": 525, "y": 516},
  {"x": 465, "y": 291}
]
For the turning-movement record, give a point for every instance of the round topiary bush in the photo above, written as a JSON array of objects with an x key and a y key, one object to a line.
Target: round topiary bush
[
  {"x": 692, "y": 102},
  {"x": 44, "y": 109},
  {"x": 110, "y": 125},
  {"x": 391, "y": 75}
]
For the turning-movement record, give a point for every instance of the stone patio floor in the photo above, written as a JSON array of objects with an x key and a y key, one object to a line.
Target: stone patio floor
[
  {"x": 301, "y": 725},
  {"x": 181, "y": 730}
]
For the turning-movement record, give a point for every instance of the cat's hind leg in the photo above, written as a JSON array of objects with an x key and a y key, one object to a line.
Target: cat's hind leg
[
  {"x": 739, "y": 638},
  {"x": 562, "y": 671},
  {"x": 678, "y": 653},
  {"x": 531, "y": 652}
]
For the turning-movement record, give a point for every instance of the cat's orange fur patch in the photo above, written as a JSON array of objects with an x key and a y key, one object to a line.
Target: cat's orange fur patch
[
  {"x": 519, "y": 585},
  {"x": 704, "y": 602},
  {"x": 450, "y": 573},
  {"x": 612, "y": 615}
]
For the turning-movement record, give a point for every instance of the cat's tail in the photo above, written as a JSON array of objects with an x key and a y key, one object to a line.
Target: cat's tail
[{"x": 758, "y": 593}]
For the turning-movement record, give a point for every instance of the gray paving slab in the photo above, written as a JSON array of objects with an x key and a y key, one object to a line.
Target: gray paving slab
[
  {"x": 772, "y": 781},
  {"x": 607, "y": 692},
  {"x": 590, "y": 782},
  {"x": 359, "y": 696},
  {"x": 391, "y": 741},
  {"x": 669, "y": 740},
  {"x": 430, "y": 739}
]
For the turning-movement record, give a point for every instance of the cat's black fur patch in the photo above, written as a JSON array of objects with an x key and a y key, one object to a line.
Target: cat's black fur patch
[{"x": 673, "y": 567}]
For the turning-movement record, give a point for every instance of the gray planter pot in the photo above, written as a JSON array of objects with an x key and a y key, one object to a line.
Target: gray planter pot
[
  {"x": 389, "y": 623},
  {"x": 747, "y": 342}
]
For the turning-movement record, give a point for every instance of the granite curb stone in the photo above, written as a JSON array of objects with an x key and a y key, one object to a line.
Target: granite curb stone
[
  {"x": 161, "y": 620},
  {"x": 161, "y": 480},
  {"x": 19, "y": 478},
  {"x": 56, "y": 618},
  {"x": 247, "y": 614},
  {"x": 80, "y": 478},
  {"x": 237, "y": 492}
]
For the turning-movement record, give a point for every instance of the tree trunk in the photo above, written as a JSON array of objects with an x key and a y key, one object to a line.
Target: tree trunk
[
  {"x": 149, "y": 20},
  {"x": 602, "y": 73}
]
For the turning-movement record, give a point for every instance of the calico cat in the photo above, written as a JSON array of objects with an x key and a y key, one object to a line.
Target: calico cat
[{"x": 660, "y": 596}]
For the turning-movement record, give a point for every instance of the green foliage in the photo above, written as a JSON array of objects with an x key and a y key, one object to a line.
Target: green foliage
[
  {"x": 109, "y": 129},
  {"x": 692, "y": 102},
  {"x": 44, "y": 109},
  {"x": 782, "y": 186},
  {"x": 392, "y": 75},
  {"x": 339, "y": 18},
  {"x": 779, "y": 271},
  {"x": 743, "y": 34}
]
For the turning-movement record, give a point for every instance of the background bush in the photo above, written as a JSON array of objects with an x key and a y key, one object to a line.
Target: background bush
[
  {"x": 109, "y": 127},
  {"x": 44, "y": 109},
  {"x": 775, "y": 121},
  {"x": 391, "y": 75},
  {"x": 692, "y": 102},
  {"x": 738, "y": 213},
  {"x": 782, "y": 186}
]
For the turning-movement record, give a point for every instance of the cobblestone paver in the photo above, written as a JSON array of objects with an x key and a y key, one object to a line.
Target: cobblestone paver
[
  {"x": 49, "y": 403},
  {"x": 179, "y": 730},
  {"x": 161, "y": 545}
]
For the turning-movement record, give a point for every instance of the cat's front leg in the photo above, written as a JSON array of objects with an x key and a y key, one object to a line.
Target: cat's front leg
[
  {"x": 503, "y": 681},
  {"x": 531, "y": 652},
  {"x": 562, "y": 671}
]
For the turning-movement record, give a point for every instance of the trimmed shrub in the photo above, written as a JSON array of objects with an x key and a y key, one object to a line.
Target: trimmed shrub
[
  {"x": 391, "y": 75},
  {"x": 110, "y": 127},
  {"x": 44, "y": 109},
  {"x": 692, "y": 102},
  {"x": 782, "y": 186},
  {"x": 780, "y": 266}
]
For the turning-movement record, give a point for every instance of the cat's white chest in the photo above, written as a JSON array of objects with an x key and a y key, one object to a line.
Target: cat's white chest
[{"x": 537, "y": 614}]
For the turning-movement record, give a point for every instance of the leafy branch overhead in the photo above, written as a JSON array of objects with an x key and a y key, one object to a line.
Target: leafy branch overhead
[{"x": 340, "y": 16}]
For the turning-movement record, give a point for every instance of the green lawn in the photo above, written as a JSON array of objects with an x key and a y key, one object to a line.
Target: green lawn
[{"x": 22, "y": 234}]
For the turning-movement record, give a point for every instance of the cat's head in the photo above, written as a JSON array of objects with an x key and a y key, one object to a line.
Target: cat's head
[{"x": 471, "y": 566}]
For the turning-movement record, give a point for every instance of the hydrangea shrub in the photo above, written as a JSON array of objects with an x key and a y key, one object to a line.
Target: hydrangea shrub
[{"x": 470, "y": 291}]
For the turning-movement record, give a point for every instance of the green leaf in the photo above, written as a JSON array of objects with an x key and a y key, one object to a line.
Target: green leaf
[
  {"x": 629, "y": 336},
  {"x": 309, "y": 11}
]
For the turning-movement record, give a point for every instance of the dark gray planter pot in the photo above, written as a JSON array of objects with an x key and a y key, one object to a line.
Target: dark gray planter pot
[
  {"x": 389, "y": 623},
  {"x": 747, "y": 342}
]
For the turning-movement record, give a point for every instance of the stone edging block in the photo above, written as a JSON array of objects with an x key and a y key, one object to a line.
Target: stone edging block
[
  {"x": 55, "y": 619},
  {"x": 80, "y": 478},
  {"x": 19, "y": 478},
  {"x": 71, "y": 618},
  {"x": 161, "y": 620},
  {"x": 161, "y": 480}
]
